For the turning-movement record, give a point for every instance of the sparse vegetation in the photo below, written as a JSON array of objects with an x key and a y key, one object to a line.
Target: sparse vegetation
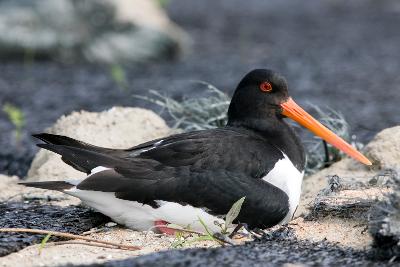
[
  {"x": 194, "y": 113},
  {"x": 210, "y": 111},
  {"x": 17, "y": 118},
  {"x": 186, "y": 237}
]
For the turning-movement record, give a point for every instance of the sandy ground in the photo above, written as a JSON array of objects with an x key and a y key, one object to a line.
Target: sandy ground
[{"x": 346, "y": 233}]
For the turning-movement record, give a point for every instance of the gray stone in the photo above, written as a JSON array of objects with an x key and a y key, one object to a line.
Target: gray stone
[
  {"x": 104, "y": 31},
  {"x": 383, "y": 151},
  {"x": 384, "y": 222}
]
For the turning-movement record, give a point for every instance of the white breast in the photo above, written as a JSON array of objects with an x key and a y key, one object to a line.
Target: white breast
[{"x": 287, "y": 177}]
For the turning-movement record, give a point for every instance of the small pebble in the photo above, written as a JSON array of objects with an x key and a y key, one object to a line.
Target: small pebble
[{"x": 110, "y": 224}]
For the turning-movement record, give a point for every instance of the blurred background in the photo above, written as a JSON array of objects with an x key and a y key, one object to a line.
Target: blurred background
[{"x": 65, "y": 55}]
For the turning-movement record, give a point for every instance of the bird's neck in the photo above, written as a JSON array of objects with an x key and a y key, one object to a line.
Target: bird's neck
[{"x": 277, "y": 132}]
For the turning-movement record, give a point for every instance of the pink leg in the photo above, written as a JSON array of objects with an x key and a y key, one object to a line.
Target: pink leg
[{"x": 161, "y": 226}]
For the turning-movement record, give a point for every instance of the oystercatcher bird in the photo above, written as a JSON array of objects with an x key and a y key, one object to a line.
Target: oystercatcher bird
[{"x": 200, "y": 174}]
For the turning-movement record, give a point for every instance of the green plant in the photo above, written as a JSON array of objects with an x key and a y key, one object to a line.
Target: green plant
[
  {"x": 232, "y": 214},
  {"x": 209, "y": 235},
  {"x": 44, "y": 242},
  {"x": 221, "y": 237},
  {"x": 180, "y": 240},
  {"x": 16, "y": 117},
  {"x": 119, "y": 77}
]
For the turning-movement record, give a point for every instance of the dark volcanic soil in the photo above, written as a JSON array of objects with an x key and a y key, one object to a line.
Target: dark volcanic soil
[
  {"x": 38, "y": 215},
  {"x": 344, "y": 54}
]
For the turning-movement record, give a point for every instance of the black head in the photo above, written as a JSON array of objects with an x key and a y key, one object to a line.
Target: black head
[
  {"x": 258, "y": 96},
  {"x": 260, "y": 102}
]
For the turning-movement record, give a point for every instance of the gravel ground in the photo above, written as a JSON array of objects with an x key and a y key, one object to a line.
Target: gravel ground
[{"x": 344, "y": 54}]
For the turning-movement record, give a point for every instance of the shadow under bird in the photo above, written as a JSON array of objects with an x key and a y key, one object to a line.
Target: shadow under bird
[{"x": 181, "y": 178}]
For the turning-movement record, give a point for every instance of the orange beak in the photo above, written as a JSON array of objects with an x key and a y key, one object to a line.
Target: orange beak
[{"x": 296, "y": 113}]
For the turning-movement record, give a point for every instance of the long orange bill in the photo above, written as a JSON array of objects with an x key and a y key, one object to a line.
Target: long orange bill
[{"x": 295, "y": 112}]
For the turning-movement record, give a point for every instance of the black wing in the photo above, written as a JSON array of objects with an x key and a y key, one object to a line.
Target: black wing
[{"x": 211, "y": 169}]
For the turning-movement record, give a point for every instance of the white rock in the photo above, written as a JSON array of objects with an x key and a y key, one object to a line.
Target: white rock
[
  {"x": 384, "y": 149},
  {"x": 115, "y": 128},
  {"x": 8, "y": 187}
]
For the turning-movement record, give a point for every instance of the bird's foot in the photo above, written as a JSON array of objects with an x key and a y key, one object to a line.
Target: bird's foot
[
  {"x": 255, "y": 233},
  {"x": 223, "y": 239},
  {"x": 258, "y": 233},
  {"x": 237, "y": 228}
]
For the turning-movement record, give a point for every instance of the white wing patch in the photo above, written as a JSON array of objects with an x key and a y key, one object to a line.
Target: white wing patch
[
  {"x": 287, "y": 177},
  {"x": 140, "y": 151},
  {"x": 93, "y": 171},
  {"x": 98, "y": 169}
]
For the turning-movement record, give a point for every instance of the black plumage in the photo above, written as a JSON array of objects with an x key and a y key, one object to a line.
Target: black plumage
[{"x": 206, "y": 169}]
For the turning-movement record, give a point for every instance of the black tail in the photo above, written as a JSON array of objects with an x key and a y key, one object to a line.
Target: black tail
[
  {"x": 80, "y": 155},
  {"x": 51, "y": 185},
  {"x": 55, "y": 139}
]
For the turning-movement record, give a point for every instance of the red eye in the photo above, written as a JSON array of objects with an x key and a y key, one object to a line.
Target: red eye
[{"x": 265, "y": 87}]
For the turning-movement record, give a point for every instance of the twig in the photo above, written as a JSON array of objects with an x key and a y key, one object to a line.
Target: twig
[
  {"x": 182, "y": 230},
  {"x": 93, "y": 231},
  {"x": 59, "y": 243},
  {"x": 67, "y": 235}
]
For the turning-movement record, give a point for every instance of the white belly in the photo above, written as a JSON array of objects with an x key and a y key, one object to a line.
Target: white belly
[
  {"x": 142, "y": 217},
  {"x": 287, "y": 177}
]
